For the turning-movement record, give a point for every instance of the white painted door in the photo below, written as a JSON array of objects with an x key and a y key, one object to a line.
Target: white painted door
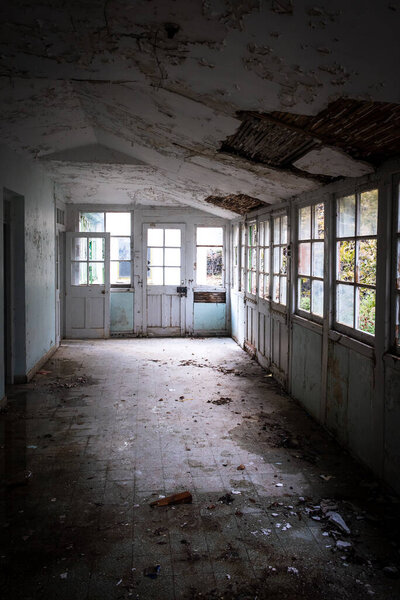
[
  {"x": 87, "y": 285},
  {"x": 165, "y": 305}
]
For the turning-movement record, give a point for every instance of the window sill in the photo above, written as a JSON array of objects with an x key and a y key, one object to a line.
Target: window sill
[
  {"x": 352, "y": 343},
  {"x": 308, "y": 323}
]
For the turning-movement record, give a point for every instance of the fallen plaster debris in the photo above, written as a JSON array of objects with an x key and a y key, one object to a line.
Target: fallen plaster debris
[
  {"x": 337, "y": 520},
  {"x": 180, "y": 498}
]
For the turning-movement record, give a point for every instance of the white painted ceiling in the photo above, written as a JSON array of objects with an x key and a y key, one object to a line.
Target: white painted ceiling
[{"x": 128, "y": 102}]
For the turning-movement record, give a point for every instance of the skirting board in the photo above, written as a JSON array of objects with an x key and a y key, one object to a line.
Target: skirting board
[{"x": 32, "y": 372}]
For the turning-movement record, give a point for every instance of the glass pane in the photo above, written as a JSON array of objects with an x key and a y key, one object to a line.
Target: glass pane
[
  {"x": 283, "y": 290},
  {"x": 346, "y": 216},
  {"x": 366, "y": 264},
  {"x": 209, "y": 266},
  {"x": 345, "y": 305},
  {"x": 261, "y": 286},
  {"x": 209, "y": 236},
  {"x": 277, "y": 233},
  {"x": 365, "y": 310},
  {"x": 118, "y": 223},
  {"x": 317, "y": 298},
  {"x": 283, "y": 261},
  {"x": 318, "y": 259},
  {"x": 172, "y": 257},
  {"x": 79, "y": 273},
  {"x": 266, "y": 261},
  {"x": 345, "y": 260},
  {"x": 249, "y": 282},
  {"x": 368, "y": 213},
  {"x": 266, "y": 234},
  {"x": 261, "y": 234},
  {"x": 79, "y": 249},
  {"x": 254, "y": 235},
  {"x": 398, "y": 265},
  {"x": 253, "y": 259},
  {"x": 91, "y": 222},
  {"x": 319, "y": 221},
  {"x": 266, "y": 286},
  {"x": 155, "y": 276},
  {"x": 254, "y": 283},
  {"x": 173, "y": 238},
  {"x": 97, "y": 248},
  {"x": 96, "y": 273},
  {"x": 305, "y": 223},
  {"x": 275, "y": 293},
  {"x": 120, "y": 272},
  {"x": 172, "y": 275},
  {"x": 276, "y": 259},
  {"x": 304, "y": 292},
  {"x": 304, "y": 258},
  {"x": 284, "y": 230},
  {"x": 155, "y": 256},
  {"x": 261, "y": 260},
  {"x": 155, "y": 237},
  {"x": 120, "y": 248}
]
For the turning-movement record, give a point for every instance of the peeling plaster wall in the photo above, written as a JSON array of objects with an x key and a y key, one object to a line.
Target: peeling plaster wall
[{"x": 28, "y": 180}]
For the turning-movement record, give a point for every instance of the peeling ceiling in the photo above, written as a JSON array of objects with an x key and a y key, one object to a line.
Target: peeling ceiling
[{"x": 129, "y": 102}]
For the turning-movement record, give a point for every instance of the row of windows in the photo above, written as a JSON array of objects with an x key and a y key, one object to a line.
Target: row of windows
[{"x": 355, "y": 258}]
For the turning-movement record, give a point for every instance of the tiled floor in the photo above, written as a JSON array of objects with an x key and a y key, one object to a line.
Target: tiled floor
[{"x": 116, "y": 424}]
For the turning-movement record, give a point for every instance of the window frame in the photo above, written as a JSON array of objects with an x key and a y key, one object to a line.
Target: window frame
[
  {"x": 235, "y": 268},
  {"x": 310, "y": 316},
  {"x": 352, "y": 332},
  {"x": 249, "y": 271},
  {"x": 205, "y": 286},
  {"x": 263, "y": 223},
  {"x": 279, "y": 215},
  {"x": 395, "y": 266}
]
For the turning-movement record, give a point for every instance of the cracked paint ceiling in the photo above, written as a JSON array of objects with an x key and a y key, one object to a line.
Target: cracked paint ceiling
[{"x": 129, "y": 102}]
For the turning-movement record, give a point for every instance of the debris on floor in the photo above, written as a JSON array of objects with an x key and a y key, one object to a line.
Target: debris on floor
[
  {"x": 152, "y": 572},
  {"x": 180, "y": 498}
]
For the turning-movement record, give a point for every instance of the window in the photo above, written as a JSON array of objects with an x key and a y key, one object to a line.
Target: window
[
  {"x": 356, "y": 246},
  {"x": 87, "y": 261},
  {"x": 252, "y": 259},
  {"x": 235, "y": 257},
  {"x": 264, "y": 260},
  {"x": 279, "y": 262},
  {"x": 209, "y": 256},
  {"x": 242, "y": 255},
  {"x": 397, "y": 274},
  {"x": 118, "y": 224},
  {"x": 310, "y": 264},
  {"x": 163, "y": 256}
]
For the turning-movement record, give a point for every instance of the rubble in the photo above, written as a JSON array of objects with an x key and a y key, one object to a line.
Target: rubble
[{"x": 180, "y": 498}]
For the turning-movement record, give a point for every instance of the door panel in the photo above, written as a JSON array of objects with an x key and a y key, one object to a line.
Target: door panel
[
  {"x": 88, "y": 285},
  {"x": 165, "y": 308}
]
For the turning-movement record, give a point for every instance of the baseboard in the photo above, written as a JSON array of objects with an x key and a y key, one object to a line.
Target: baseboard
[
  {"x": 3, "y": 402},
  {"x": 32, "y": 372}
]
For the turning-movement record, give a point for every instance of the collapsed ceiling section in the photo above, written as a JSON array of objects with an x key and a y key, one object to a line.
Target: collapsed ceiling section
[
  {"x": 239, "y": 203},
  {"x": 127, "y": 102}
]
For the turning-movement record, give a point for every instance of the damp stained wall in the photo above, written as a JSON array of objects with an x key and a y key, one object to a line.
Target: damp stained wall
[{"x": 22, "y": 177}]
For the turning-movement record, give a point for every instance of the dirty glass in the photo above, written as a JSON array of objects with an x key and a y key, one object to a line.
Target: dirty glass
[
  {"x": 318, "y": 259},
  {"x": 120, "y": 272},
  {"x": 365, "y": 298},
  {"x": 266, "y": 286},
  {"x": 276, "y": 289},
  {"x": 346, "y": 216},
  {"x": 284, "y": 222},
  {"x": 346, "y": 260},
  {"x": 172, "y": 238},
  {"x": 366, "y": 263},
  {"x": 304, "y": 293},
  {"x": 118, "y": 223},
  {"x": 155, "y": 237},
  {"x": 96, "y": 273},
  {"x": 91, "y": 222},
  {"x": 318, "y": 221},
  {"x": 368, "y": 213},
  {"x": 317, "y": 302},
  {"x": 96, "y": 248},
  {"x": 79, "y": 249},
  {"x": 120, "y": 248},
  {"x": 305, "y": 223},
  {"x": 79, "y": 273},
  {"x": 282, "y": 290},
  {"x": 277, "y": 227},
  {"x": 304, "y": 258},
  {"x": 345, "y": 304}
]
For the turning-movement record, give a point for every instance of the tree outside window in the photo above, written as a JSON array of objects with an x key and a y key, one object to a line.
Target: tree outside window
[{"x": 310, "y": 263}]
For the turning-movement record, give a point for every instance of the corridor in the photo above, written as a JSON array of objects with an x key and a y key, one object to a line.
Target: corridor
[{"x": 108, "y": 426}]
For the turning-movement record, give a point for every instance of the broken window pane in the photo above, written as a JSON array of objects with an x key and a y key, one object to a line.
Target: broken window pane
[
  {"x": 172, "y": 276},
  {"x": 79, "y": 273},
  {"x": 155, "y": 237},
  {"x": 319, "y": 221},
  {"x": 345, "y": 304},
  {"x": 345, "y": 260},
  {"x": 118, "y": 223},
  {"x": 96, "y": 273},
  {"x": 79, "y": 249},
  {"x": 346, "y": 216},
  {"x": 96, "y": 248},
  {"x": 365, "y": 310},
  {"x": 120, "y": 272},
  {"x": 91, "y": 222},
  {"x": 155, "y": 276},
  {"x": 304, "y": 292},
  {"x": 366, "y": 264},
  {"x": 318, "y": 259},
  {"x": 120, "y": 248},
  {"x": 368, "y": 213},
  {"x": 172, "y": 238},
  {"x": 304, "y": 258},
  {"x": 172, "y": 257},
  {"x": 317, "y": 298},
  {"x": 305, "y": 223}
]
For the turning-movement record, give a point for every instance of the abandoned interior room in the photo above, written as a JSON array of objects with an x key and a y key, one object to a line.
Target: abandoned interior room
[{"x": 199, "y": 299}]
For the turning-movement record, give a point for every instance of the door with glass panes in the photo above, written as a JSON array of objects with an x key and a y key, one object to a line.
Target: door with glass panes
[
  {"x": 87, "y": 285},
  {"x": 164, "y": 302}
]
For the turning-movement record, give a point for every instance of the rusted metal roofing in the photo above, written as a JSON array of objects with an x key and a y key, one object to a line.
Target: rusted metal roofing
[
  {"x": 365, "y": 130},
  {"x": 238, "y": 203}
]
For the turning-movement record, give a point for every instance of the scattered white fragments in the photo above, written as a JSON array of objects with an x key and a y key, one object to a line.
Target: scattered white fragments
[
  {"x": 63, "y": 575},
  {"x": 343, "y": 545},
  {"x": 279, "y": 485},
  {"x": 336, "y": 519},
  {"x": 293, "y": 570}
]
